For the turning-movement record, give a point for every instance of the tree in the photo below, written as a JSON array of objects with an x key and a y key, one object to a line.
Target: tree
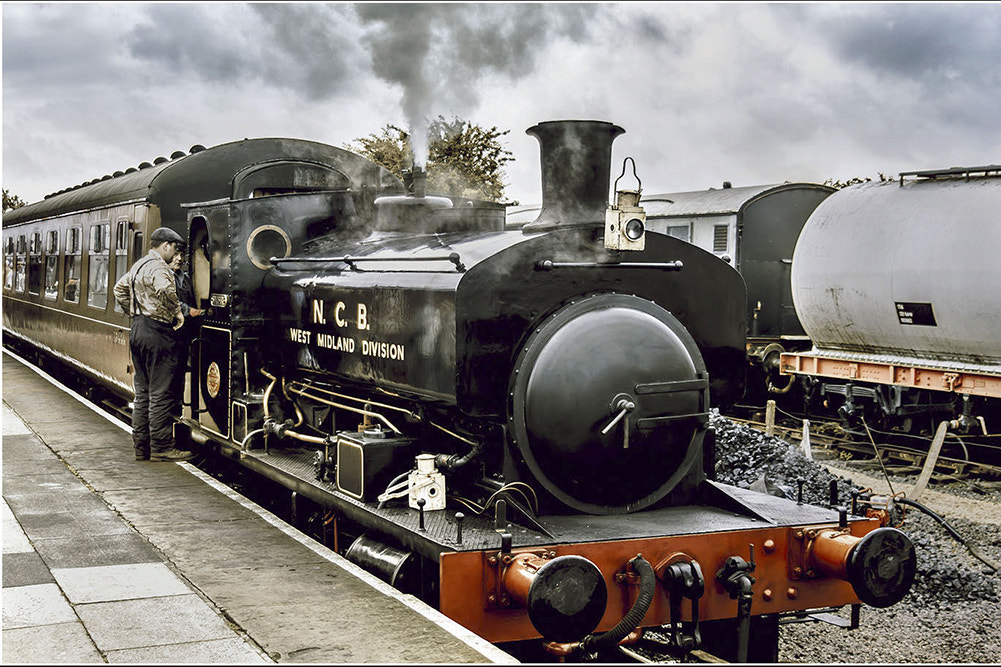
[
  {"x": 11, "y": 201},
  {"x": 464, "y": 159}
]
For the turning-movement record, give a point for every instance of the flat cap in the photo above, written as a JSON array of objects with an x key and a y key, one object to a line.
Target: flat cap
[{"x": 161, "y": 234}]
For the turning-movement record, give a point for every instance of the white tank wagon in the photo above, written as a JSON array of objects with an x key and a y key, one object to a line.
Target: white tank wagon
[{"x": 898, "y": 283}]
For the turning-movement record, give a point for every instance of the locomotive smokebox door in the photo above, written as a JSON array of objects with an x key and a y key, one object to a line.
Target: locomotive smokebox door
[{"x": 609, "y": 404}]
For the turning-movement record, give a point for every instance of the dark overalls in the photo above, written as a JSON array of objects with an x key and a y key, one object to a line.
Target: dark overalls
[{"x": 156, "y": 354}]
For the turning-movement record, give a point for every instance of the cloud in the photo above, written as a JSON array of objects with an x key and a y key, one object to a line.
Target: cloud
[{"x": 751, "y": 93}]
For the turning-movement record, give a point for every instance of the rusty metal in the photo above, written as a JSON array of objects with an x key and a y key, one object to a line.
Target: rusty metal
[
  {"x": 774, "y": 571},
  {"x": 565, "y": 650},
  {"x": 899, "y": 373}
]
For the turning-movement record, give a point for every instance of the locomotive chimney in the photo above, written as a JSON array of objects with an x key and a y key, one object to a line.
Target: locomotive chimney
[
  {"x": 576, "y": 167},
  {"x": 414, "y": 211},
  {"x": 416, "y": 180}
]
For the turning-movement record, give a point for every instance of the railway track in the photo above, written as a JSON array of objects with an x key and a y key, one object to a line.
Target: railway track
[{"x": 829, "y": 440}]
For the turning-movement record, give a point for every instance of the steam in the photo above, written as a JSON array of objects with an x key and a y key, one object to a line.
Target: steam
[{"x": 437, "y": 53}]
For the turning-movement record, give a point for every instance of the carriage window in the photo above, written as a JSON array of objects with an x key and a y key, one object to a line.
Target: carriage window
[
  {"x": 97, "y": 286},
  {"x": 21, "y": 262},
  {"x": 52, "y": 264},
  {"x": 121, "y": 253},
  {"x": 8, "y": 263},
  {"x": 35, "y": 263},
  {"x": 71, "y": 268}
]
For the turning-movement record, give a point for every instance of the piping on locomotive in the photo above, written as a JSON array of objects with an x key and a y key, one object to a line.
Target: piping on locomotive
[{"x": 394, "y": 356}]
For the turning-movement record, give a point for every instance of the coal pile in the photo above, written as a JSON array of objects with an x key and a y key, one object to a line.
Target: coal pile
[
  {"x": 749, "y": 459},
  {"x": 946, "y": 572}
]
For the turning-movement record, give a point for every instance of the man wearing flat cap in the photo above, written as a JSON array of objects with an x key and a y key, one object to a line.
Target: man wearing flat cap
[{"x": 147, "y": 292}]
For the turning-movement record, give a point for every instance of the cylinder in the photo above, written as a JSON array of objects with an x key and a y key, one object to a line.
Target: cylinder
[
  {"x": 394, "y": 566},
  {"x": 576, "y": 160}
]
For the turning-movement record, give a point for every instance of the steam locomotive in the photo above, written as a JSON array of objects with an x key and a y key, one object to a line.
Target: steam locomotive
[{"x": 510, "y": 423}]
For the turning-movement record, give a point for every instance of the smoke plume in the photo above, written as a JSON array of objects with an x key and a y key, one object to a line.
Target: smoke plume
[{"x": 437, "y": 53}]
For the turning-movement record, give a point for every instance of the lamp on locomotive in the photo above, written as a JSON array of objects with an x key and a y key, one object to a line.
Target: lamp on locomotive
[{"x": 625, "y": 220}]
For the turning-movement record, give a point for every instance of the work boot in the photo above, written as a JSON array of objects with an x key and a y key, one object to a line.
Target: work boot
[
  {"x": 142, "y": 455},
  {"x": 171, "y": 454}
]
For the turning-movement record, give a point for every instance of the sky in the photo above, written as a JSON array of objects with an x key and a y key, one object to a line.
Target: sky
[{"x": 750, "y": 93}]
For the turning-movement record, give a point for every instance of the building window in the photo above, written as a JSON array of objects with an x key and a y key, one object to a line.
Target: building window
[
  {"x": 99, "y": 258},
  {"x": 721, "y": 234},
  {"x": 52, "y": 264},
  {"x": 71, "y": 268}
]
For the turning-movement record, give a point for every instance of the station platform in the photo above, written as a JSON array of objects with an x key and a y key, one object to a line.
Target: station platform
[{"x": 108, "y": 559}]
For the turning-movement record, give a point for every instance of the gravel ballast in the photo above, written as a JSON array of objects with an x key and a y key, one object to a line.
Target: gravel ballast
[{"x": 952, "y": 613}]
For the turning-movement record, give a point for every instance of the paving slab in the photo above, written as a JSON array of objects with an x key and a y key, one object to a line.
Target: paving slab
[
  {"x": 18, "y": 468},
  {"x": 91, "y": 550},
  {"x": 47, "y": 490},
  {"x": 24, "y": 569},
  {"x": 280, "y": 584},
  {"x": 64, "y": 524},
  {"x": 246, "y": 541},
  {"x": 14, "y": 539},
  {"x": 224, "y": 651},
  {"x": 118, "y": 582},
  {"x": 151, "y": 622},
  {"x": 42, "y": 604},
  {"x": 112, "y": 470},
  {"x": 24, "y": 446},
  {"x": 175, "y": 505},
  {"x": 62, "y": 643}
]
